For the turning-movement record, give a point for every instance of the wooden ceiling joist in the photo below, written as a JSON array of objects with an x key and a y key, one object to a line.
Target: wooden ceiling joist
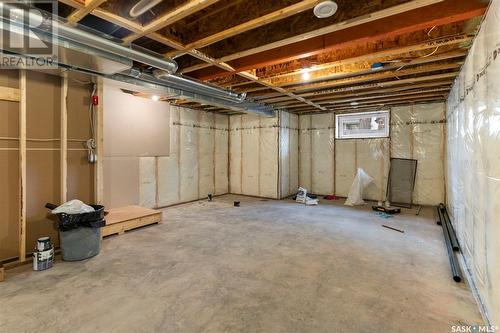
[
  {"x": 169, "y": 18},
  {"x": 376, "y": 77},
  {"x": 252, "y": 24},
  {"x": 420, "y": 18},
  {"x": 79, "y": 14},
  {"x": 440, "y": 85}
]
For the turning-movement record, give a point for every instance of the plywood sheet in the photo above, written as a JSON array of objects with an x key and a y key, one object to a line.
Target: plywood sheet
[
  {"x": 9, "y": 204},
  {"x": 121, "y": 181},
  {"x": 43, "y": 185},
  {"x": 134, "y": 126},
  {"x": 80, "y": 177}
]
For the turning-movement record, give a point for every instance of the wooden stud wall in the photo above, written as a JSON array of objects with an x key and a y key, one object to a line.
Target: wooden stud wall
[{"x": 42, "y": 150}]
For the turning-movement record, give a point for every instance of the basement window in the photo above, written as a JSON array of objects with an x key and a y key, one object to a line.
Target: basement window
[{"x": 364, "y": 125}]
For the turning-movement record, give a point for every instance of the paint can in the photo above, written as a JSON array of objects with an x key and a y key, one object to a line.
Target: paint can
[{"x": 43, "y": 256}]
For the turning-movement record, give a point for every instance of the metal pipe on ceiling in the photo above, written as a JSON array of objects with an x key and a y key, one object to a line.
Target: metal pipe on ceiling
[
  {"x": 77, "y": 35},
  {"x": 143, "y": 6},
  {"x": 162, "y": 76}
]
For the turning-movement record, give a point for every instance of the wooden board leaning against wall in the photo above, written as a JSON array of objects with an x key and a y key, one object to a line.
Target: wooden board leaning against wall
[{"x": 44, "y": 126}]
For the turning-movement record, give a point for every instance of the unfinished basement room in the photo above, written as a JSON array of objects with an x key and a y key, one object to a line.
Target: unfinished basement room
[{"x": 267, "y": 166}]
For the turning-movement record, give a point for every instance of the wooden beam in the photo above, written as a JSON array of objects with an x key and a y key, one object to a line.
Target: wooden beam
[
  {"x": 79, "y": 14},
  {"x": 382, "y": 55},
  {"x": 64, "y": 139},
  {"x": 9, "y": 94},
  {"x": 385, "y": 84},
  {"x": 383, "y": 99},
  {"x": 252, "y": 24},
  {"x": 376, "y": 77},
  {"x": 118, "y": 20},
  {"x": 373, "y": 92},
  {"x": 22, "y": 166},
  {"x": 447, "y": 12},
  {"x": 171, "y": 17},
  {"x": 365, "y": 69}
]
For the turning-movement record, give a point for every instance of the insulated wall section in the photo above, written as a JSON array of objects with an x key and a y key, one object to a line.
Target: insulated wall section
[{"x": 473, "y": 161}]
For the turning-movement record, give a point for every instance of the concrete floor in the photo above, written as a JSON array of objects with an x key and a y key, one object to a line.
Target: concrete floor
[{"x": 268, "y": 266}]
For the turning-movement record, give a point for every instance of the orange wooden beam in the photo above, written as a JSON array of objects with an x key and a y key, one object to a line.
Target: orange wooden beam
[{"x": 447, "y": 12}]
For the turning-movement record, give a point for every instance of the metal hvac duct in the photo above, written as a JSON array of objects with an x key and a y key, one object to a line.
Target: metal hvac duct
[
  {"x": 82, "y": 37},
  {"x": 171, "y": 89},
  {"x": 162, "y": 78}
]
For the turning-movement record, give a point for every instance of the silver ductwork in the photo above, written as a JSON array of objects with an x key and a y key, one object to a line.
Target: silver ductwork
[
  {"x": 79, "y": 36},
  {"x": 172, "y": 90},
  {"x": 143, "y": 6},
  {"x": 103, "y": 51}
]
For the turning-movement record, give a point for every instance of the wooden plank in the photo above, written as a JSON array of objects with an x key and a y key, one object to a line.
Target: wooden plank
[
  {"x": 64, "y": 139},
  {"x": 377, "y": 76},
  {"x": 2, "y": 273},
  {"x": 171, "y": 17},
  {"x": 22, "y": 166},
  {"x": 9, "y": 94},
  {"x": 420, "y": 19},
  {"x": 117, "y": 19},
  {"x": 99, "y": 141},
  {"x": 382, "y": 55},
  {"x": 79, "y": 14},
  {"x": 119, "y": 220},
  {"x": 252, "y": 24}
]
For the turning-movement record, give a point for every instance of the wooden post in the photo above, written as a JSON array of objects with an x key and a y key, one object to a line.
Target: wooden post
[
  {"x": 22, "y": 166},
  {"x": 64, "y": 140},
  {"x": 99, "y": 140},
  {"x": 2, "y": 272}
]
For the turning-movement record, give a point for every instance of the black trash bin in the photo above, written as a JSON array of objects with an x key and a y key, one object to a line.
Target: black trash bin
[{"x": 80, "y": 234}]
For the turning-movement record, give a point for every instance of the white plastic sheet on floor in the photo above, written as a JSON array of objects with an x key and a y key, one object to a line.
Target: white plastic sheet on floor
[
  {"x": 474, "y": 161},
  {"x": 197, "y": 164}
]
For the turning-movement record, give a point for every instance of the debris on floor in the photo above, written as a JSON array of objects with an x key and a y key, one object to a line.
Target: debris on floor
[
  {"x": 384, "y": 215},
  {"x": 331, "y": 197},
  {"x": 388, "y": 227},
  {"x": 306, "y": 198},
  {"x": 236, "y": 204}
]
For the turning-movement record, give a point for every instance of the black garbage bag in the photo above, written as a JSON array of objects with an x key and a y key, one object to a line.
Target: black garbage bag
[{"x": 93, "y": 219}]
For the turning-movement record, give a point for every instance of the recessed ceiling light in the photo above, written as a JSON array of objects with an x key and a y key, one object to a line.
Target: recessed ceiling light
[
  {"x": 354, "y": 103},
  {"x": 155, "y": 98},
  {"x": 325, "y": 9}
]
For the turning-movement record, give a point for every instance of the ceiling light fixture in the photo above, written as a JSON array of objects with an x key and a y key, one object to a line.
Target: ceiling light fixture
[
  {"x": 305, "y": 74},
  {"x": 325, "y": 9},
  {"x": 155, "y": 98},
  {"x": 354, "y": 103}
]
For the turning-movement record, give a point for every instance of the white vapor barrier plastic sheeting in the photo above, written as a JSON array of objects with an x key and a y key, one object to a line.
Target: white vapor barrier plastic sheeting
[
  {"x": 417, "y": 132},
  {"x": 197, "y": 164},
  {"x": 328, "y": 166},
  {"x": 289, "y": 150},
  {"x": 473, "y": 163},
  {"x": 316, "y": 160},
  {"x": 254, "y": 155}
]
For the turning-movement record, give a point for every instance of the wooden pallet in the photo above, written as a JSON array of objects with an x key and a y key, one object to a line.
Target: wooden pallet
[{"x": 119, "y": 220}]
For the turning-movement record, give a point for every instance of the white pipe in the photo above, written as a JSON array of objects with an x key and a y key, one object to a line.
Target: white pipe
[{"x": 143, "y": 6}]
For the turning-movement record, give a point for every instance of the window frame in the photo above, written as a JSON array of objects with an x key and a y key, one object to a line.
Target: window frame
[{"x": 339, "y": 122}]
